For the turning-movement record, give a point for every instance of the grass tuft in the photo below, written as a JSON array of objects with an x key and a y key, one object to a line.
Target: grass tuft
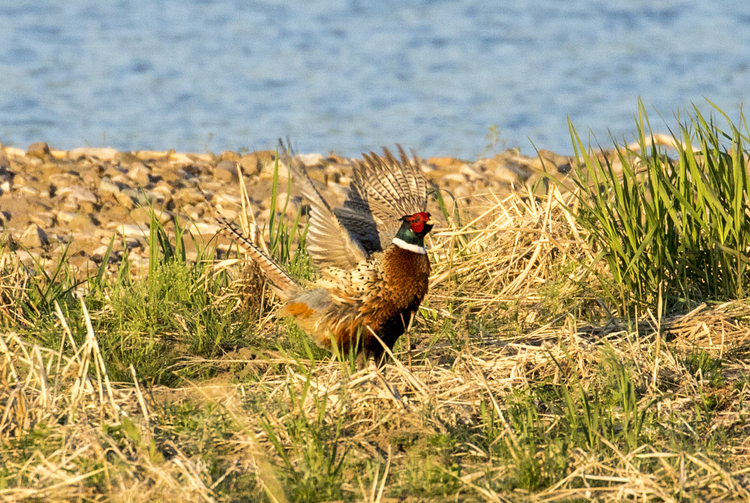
[{"x": 676, "y": 226}]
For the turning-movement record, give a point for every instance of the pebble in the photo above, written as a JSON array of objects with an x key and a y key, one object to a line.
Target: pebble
[
  {"x": 227, "y": 213},
  {"x": 83, "y": 244},
  {"x": 129, "y": 230},
  {"x": 82, "y": 222},
  {"x": 470, "y": 173},
  {"x": 44, "y": 220},
  {"x": 139, "y": 174},
  {"x": 14, "y": 152},
  {"x": 292, "y": 205},
  {"x": 25, "y": 190},
  {"x": 443, "y": 163},
  {"x": 77, "y": 194},
  {"x": 189, "y": 196},
  {"x": 507, "y": 173},
  {"x": 117, "y": 214},
  {"x": 228, "y": 199},
  {"x": 66, "y": 216},
  {"x": 207, "y": 227},
  {"x": 162, "y": 193},
  {"x": 126, "y": 201},
  {"x": 457, "y": 178},
  {"x": 155, "y": 196},
  {"x": 25, "y": 257},
  {"x": 253, "y": 163},
  {"x": 138, "y": 196},
  {"x": 310, "y": 160},
  {"x": 85, "y": 265},
  {"x": 125, "y": 158},
  {"x": 180, "y": 159},
  {"x": 142, "y": 215},
  {"x": 34, "y": 237},
  {"x": 19, "y": 181},
  {"x": 39, "y": 150},
  {"x": 104, "y": 154},
  {"x": 62, "y": 180},
  {"x": 462, "y": 192},
  {"x": 4, "y": 162},
  {"x": 91, "y": 178},
  {"x": 268, "y": 171},
  {"x": 333, "y": 174},
  {"x": 107, "y": 186},
  {"x": 226, "y": 171}
]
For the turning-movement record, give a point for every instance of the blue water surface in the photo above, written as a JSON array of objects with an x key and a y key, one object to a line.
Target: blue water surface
[{"x": 350, "y": 76}]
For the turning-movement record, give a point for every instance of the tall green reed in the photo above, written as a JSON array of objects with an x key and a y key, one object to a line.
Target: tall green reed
[{"x": 677, "y": 224}]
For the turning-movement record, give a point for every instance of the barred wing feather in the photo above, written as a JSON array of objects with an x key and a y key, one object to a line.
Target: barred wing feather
[
  {"x": 328, "y": 242},
  {"x": 390, "y": 189}
]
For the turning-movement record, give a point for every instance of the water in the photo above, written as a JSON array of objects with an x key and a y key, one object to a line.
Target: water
[{"x": 198, "y": 75}]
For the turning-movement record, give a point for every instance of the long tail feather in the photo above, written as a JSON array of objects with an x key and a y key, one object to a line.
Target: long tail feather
[{"x": 284, "y": 283}]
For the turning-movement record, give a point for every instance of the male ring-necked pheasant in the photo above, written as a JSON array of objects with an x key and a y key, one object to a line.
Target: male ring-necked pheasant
[{"x": 370, "y": 251}]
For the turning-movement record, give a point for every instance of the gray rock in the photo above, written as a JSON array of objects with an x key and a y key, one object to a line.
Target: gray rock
[
  {"x": 136, "y": 195},
  {"x": 267, "y": 172},
  {"x": 228, "y": 213},
  {"x": 456, "y": 178},
  {"x": 25, "y": 190},
  {"x": 310, "y": 160},
  {"x": 138, "y": 172},
  {"x": 131, "y": 230},
  {"x": 91, "y": 178},
  {"x": 104, "y": 154},
  {"x": 61, "y": 180},
  {"x": 77, "y": 194},
  {"x": 66, "y": 216},
  {"x": 107, "y": 186},
  {"x": 226, "y": 171},
  {"x": 82, "y": 222},
  {"x": 189, "y": 196},
  {"x": 44, "y": 220},
  {"x": 126, "y": 201},
  {"x": 471, "y": 173},
  {"x": 126, "y": 158},
  {"x": 84, "y": 265},
  {"x": 40, "y": 150},
  {"x": 34, "y": 237}
]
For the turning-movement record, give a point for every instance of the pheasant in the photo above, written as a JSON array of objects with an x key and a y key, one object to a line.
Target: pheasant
[{"x": 373, "y": 264}]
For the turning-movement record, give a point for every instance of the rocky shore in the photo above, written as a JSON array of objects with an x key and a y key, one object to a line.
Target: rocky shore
[{"x": 53, "y": 200}]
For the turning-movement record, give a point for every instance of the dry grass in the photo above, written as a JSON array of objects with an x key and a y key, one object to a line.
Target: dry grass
[{"x": 513, "y": 317}]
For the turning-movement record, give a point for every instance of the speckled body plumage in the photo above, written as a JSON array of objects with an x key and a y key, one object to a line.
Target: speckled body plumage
[
  {"x": 368, "y": 284},
  {"x": 381, "y": 293}
]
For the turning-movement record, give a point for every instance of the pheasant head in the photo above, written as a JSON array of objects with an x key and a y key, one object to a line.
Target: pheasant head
[{"x": 412, "y": 232}]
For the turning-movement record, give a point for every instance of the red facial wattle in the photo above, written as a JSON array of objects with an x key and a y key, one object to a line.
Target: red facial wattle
[{"x": 418, "y": 220}]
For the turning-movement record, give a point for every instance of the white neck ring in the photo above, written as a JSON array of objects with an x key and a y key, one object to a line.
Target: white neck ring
[{"x": 408, "y": 246}]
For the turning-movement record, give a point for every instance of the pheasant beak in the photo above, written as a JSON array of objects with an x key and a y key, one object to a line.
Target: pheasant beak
[{"x": 431, "y": 222}]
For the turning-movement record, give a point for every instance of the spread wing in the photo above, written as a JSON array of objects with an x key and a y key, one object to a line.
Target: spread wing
[
  {"x": 355, "y": 216},
  {"x": 384, "y": 189},
  {"x": 328, "y": 242}
]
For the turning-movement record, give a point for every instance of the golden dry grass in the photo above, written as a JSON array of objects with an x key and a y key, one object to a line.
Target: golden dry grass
[{"x": 513, "y": 309}]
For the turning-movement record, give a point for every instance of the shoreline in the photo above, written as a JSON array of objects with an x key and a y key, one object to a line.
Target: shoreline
[{"x": 53, "y": 200}]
